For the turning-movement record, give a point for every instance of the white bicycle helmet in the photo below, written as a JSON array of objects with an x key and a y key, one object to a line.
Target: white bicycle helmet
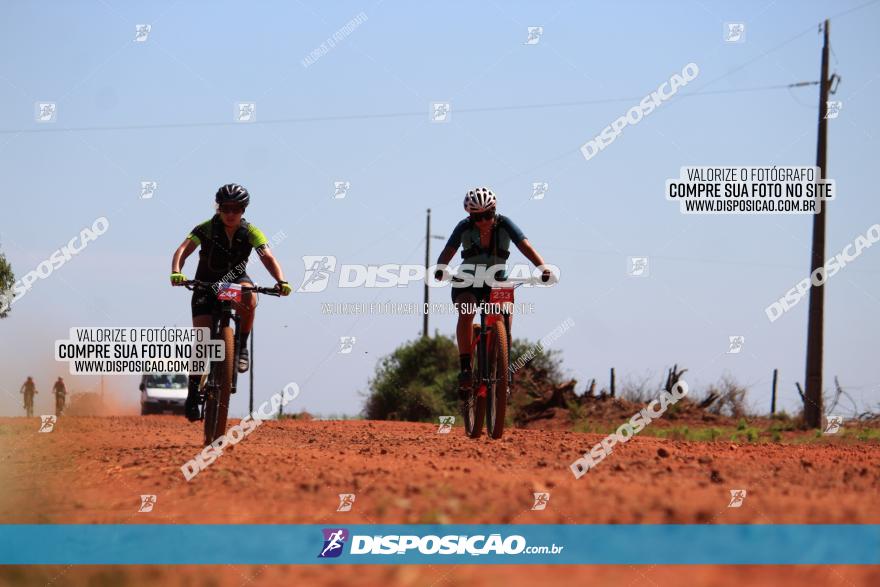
[{"x": 479, "y": 200}]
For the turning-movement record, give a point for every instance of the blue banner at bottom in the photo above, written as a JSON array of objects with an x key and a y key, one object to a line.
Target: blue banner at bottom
[{"x": 440, "y": 544}]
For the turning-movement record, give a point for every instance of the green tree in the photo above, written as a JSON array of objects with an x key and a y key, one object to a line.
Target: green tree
[
  {"x": 416, "y": 382},
  {"x": 7, "y": 278},
  {"x": 419, "y": 380}
]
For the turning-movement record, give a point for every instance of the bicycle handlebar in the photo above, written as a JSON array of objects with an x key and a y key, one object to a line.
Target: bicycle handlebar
[
  {"x": 192, "y": 284},
  {"x": 516, "y": 281}
]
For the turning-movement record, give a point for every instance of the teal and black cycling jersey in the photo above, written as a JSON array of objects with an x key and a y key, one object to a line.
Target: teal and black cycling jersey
[
  {"x": 221, "y": 258},
  {"x": 467, "y": 236}
]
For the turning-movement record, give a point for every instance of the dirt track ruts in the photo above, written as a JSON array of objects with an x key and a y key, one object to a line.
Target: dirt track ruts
[
  {"x": 293, "y": 471},
  {"x": 94, "y": 469}
]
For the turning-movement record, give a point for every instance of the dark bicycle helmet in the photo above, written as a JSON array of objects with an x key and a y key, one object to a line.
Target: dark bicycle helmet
[{"x": 232, "y": 193}]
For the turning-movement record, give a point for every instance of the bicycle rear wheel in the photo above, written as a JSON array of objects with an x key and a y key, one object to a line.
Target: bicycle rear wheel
[
  {"x": 475, "y": 403},
  {"x": 217, "y": 402},
  {"x": 499, "y": 376}
]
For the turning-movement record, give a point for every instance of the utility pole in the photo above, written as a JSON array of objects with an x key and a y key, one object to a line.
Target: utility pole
[
  {"x": 816, "y": 319},
  {"x": 428, "y": 237},
  {"x": 251, "y": 369},
  {"x": 773, "y": 393},
  {"x": 427, "y": 277}
]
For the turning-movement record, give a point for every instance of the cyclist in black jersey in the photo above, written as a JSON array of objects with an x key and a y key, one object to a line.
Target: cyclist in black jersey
[
  {"x": 60, "y": 395},
  {"x": 226, "y": 240},
  {"x": 29, "y": 389}
]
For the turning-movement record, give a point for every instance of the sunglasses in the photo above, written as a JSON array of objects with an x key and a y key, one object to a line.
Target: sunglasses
[
  {"x": 487, "y": 215},
  {"x": 232, "y": 209}
]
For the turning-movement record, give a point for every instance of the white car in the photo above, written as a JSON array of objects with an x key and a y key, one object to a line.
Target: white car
[{"x": 161, "y": 392}]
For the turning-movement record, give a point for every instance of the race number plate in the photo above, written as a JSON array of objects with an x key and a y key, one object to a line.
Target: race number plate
[
  {"x": 229, "y": 292},
  {"x": 500, "y": 295}
]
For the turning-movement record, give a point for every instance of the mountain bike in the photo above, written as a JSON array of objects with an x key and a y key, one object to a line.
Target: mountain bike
[
  {"x": 59, "y": 404},
  {"x": 29, "y": 404},
  {"x": 492, "y": 382},
  {"x": 219, "y": 382}
]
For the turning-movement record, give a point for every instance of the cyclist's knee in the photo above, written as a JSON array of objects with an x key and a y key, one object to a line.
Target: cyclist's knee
[
  {"x": 248, "y": 299},
  {"x": 202, "y": 321},
  {"x": 246, "y": 306},
  {"x": 466, "y": 307}
]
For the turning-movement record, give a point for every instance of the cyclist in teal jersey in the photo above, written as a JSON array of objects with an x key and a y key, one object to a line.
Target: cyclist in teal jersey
[
  {"x": 485, "y": 238},
  {"x": 226, "y": 241}
]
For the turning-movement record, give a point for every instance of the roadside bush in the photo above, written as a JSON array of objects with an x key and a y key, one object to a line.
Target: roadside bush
[
  {"x": 7, "y": 279},
  {"x": 639, "y": 390},
  {"x": 726, "y": 398},
  {"x": 419, "y": 380}
]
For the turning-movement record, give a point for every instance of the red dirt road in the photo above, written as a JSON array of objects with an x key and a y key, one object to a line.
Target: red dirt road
[{"x": 94, "y": 469}]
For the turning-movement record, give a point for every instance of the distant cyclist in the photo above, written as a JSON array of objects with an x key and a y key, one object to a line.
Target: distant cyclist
[
  {"x": 60, "y": 396},
  {"x": 28, "y": 389},
  {"x": 227, "y": 240},
  {"x": 485, "y": 238}
]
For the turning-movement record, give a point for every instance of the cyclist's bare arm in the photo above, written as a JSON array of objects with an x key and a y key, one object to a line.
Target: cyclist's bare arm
[
  {"x": 271, "y": 263},
  {"x": 526, "y": 248},
  {"x": 183, "y": 251},
  {"x": 446, "y": 255}
]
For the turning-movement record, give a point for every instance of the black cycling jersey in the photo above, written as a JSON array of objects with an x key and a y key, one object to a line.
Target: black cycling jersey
[{"x": 220, "y": 258}]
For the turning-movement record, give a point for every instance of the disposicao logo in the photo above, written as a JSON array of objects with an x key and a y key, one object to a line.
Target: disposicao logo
[{"x": 334, "y": 540}]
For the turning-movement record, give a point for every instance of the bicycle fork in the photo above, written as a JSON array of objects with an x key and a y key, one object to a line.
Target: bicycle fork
[
  {"x": 221, "y": 321},
  {"x": 483, "y": 354}
]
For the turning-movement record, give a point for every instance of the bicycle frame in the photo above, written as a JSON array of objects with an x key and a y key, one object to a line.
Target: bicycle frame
[
  {"x": 499, "y": 295},
  {"x": 491, "y": 386},
  {"x": 502, "y": 295},
  {"x": 213, "y": 385},
  {"x": 220, "y": 318}
]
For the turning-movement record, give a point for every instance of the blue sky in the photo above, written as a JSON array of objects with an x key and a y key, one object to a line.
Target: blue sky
[{"x": 710, "y": 276}]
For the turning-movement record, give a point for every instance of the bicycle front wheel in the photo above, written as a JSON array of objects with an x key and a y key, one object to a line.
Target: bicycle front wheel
[
  {"x": 217, "y": 402},
  {"x": 499, "y": 376},
  {"x": 475, "y": 403}
]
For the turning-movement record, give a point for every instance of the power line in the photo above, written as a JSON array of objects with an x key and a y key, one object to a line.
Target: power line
[
  {"x": 784, "y": 43},
  {"x": 709, "y": 260},
  {"x": 853, "y": 9},
  {"x": 367, "y": 116}
]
